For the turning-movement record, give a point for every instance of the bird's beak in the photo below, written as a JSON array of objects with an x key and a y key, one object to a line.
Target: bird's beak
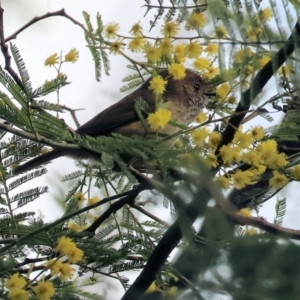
[{"x": 210, "y": 94}]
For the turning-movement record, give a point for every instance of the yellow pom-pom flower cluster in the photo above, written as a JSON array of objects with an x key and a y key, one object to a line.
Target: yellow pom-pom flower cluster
[
  {"x": 166, "y": 51},
  {"x": 197, "y": 20},
  {"x": 152, "y": 53},
  {"x": 16, "y": 286},
  {"x": 158, "y": 85},
  {"x": 159, "y": 119},
  {"x": 201, "y": 117},
  {"x": 64, "y": 270},
  {"x": 222, "y": 92},
  {"x": 170, "y": 29},
  {"x": 111, "y": 29},
  {"x": 136, "y": 44},
  {"x": 52, "y": 60},
  {"x": 44, "y": 290},
  {"x": 199, "y": 135},
  {"x": 68, "y": 248},
  {"x": 19, "y": 289},
  {"x": 72, "y": 56},
  {"x": 247, "y": 147},
  {"x": 136, "y": 30},
  {"x": 177, "y": 71}
]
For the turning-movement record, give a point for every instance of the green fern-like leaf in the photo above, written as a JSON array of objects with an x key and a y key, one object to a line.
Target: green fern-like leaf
[
  {"x": 87, "y": 20},
  {"x": 29, "y": 176},
  {"x": 6, "y": 221},
  {"x": 127, "y": 266},
  {"x": 74, "y": 175},
  {"x": 63, "y": 296},
  {"x": 72, "y": 206},
  {"x": 105, "y": 232},
  {"x": 280, "y": 210},
  {"x": 124, "y": 168},
  {"x": 28, "y": 196},
  {"x": 14, "y": 89},
  {"x": 10, "y": 112},
  {"x": 131, "y": 77},
  {"x": 93, "y": 45},
  {"x": 105, "y": 60},
  {"x": 104, "y": 55},
  {"x": 157, "y": 16},
  {"x": 170, "y": 15},
  {"x": 22, "y": 150},
  {"x": 266, "y": 116},
  {"x": 142, "y": 110},
  {"x": 48, "y": 125},
  {"x": 70, "y": 291},
  {"x": 21, "y": 68},
  {"x": 50, "y": 87},
  {"x": 42, "y": 104},
  {"x": 7, "y": 265},
  {"x": 182, "y": 16},
  {"x": 74, "y": 189},
  {"x": 131, "y": 85}
]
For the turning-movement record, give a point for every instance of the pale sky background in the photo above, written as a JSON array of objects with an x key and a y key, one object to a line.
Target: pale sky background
[{"x": 57, "y": 34}]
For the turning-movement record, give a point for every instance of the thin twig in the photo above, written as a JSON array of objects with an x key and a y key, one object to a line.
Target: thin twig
[
  {"x": 69, "y": 216},
  {"x": 151, "y": 216},
  {"x": 73, "y": 113},
  {"x": 264, "y": 225},
  {"x": 188, "y": 283},
  {"x": 271, "y": 100},
  {"x": 97, "y": 271},
  {"x": 174, "y": 7},
  {"x": 46, "y": 141},
  {"x": 32, "y": 137},
  {"x": 115, "y": 207},
  {"x": 59, "y": 13},
  {"x": 4, "y": 50}
]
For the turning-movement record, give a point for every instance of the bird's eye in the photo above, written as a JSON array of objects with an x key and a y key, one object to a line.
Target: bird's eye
[{"x": 196, "y": 87}]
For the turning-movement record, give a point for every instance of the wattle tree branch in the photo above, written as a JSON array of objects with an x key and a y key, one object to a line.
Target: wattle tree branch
[
  {"x": 257, "y": 84},
  {"x": 173, "y": 235},
  {"x": 58, "y": 13}
]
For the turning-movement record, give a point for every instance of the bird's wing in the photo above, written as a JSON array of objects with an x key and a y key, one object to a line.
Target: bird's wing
[{"x": 121, "y": 113}]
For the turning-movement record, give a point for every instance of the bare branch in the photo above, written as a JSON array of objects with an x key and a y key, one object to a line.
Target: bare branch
[
  {"x": 69, "y": 216},
  {"x": 4, "y": 50},
  {"x": 115, "y": 207},
  {"x": 59, "y": 13},
  {"x": 264, "y": 225},
  {"x": 151, "y": 216},
  {"x": 73, "y": 114}
]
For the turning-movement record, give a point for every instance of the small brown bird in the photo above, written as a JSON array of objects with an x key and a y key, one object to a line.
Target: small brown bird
[{"x": 184, "y": 98}]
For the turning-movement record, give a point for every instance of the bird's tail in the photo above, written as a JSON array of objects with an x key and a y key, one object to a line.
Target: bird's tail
[{"x": 37, "y": 161}]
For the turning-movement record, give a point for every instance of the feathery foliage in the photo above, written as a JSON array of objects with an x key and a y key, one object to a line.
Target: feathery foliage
[{"x": 107, "y": 228}]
